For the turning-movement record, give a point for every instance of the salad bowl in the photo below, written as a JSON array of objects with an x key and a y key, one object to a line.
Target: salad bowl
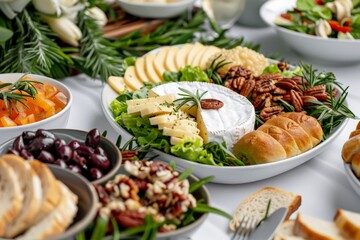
[
  {"x": 324, "y": 50},
  {"x": 225, "y": 174}
]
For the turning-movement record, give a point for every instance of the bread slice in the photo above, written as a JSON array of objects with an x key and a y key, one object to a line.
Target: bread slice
[
  {"x": 255, "y": 205},
  {"x": 57, "y": 220},
  {"x": 348, "y": 223},
  {"x": 11, "y": 197},
  {"x": 50, "y": 189},
  {"x": 286, "y": 231},
  {"x": 316, "y": 229},
  {"x": 31, "y": 187}
]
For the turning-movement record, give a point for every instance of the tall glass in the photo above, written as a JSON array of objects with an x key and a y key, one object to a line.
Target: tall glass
[{"x": 224, "y": 12}]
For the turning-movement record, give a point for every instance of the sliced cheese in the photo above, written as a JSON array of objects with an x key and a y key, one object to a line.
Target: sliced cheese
[
  {"x": 155, "y": 109},
  {"x": 131, "y": 80},
  {"x": 176, "y": 140},
  {"x": 181, "y": 56},
  {"x": 178, "y": 122},
  {"x": 229, "y": 123},
  {"x": 193, "y": 53},
  {"x": 211, "y": 50},
  {"x": 118, "y": 84},
  {"x": 196, "y": 61},
  {"x": 169, "y": 98},
  {"x": 150, "y": 69},
  {"x": 170, "y": 59},
  {"x": 165, "y": 118},
  {"x": 159, "y": 61},
  {"x": 189, "y": 128},
  {"x": 140, "y": 70},
  {"x": 179, "y": 133},
  {"x": 189, "y": 110}
]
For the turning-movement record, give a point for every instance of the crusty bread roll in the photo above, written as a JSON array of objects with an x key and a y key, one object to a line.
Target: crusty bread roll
[
  {"x": 278, "y": 135},
  {"x": 348, "y": 223},
  {"x": 309, "y": 124},
  {"x": 350, "y": 147},
  {"x": 283, "y": 137},
  {"x": 354, "y": 133},
  {"x": 255, "y": 204},
  {"x": 50, "y": 189},
  {"x": 11, "y": 197},
  {"x": 302, "y": 139},
  {"x": 258, "y": 147},
  {"x": 31, "y": 187}
]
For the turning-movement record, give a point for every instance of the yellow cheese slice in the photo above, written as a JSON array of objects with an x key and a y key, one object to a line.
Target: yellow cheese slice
[
  {"x": 118, "y": 84},
  {"x": 150, "y": 69},
  {"x": 188, "y": 128},
  {"x": 131, "y": 79},
  {"x": 211, "y": 50},
  {"x": 197, "y": 58},
  {"x": 159, "y": 62},
  {"x": 155, "y": 109},
  {"x": 170, "y": 59},
  {"x": 140, "y": 70},
  {"x": 189, "y": 110},
  {"x": 202, "y": 127},
  {"x": 193, "y": 53},
  {"x": 162, "y": 119},
  {"x": 169, "y": 98},
  {"x": 181, "y": 56},
  {"x": 177, "y": 133}
]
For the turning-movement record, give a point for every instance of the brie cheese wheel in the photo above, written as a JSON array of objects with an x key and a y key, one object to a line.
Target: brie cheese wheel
[{"x": 229, "y": 123}]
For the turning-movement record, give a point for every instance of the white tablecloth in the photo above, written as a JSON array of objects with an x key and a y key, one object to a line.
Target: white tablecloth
[{"x": 321, "y": 181}]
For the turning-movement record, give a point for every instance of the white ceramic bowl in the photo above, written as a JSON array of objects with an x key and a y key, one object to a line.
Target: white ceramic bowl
[
  {"x": 226, "y": 175},
  {"x": 320, "y": 49},
  {"x": 59, "y": 120},
  {"x": 156, "y": 10},
  {"x": 353, "y": 180}
]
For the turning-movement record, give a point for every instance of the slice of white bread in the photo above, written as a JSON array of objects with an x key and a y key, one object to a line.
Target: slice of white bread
[
  {"x": 316, "y": 229},
  {"x": 348, "y": 223},
  {"x": 50, "y": 189},
  {"x": 255, "y": 205},
  {"x": 11, "y": 197},
  {"x": 286, "y": 231},
  {"x": 31, "y": 188},
  {"x": 57, "y": 220}
]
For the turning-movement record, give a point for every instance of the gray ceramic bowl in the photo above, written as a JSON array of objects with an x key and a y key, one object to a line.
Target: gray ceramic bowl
[
  {"x": 71, "y": 134},
  {"x": 87, "y": 201},
  {"x": 185, "y": 232}
]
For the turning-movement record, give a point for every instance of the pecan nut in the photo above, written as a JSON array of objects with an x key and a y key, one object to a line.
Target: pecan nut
[
  {"x": 211, "y": 103},
  {"x": 129, "y": 218},
  {"x": 286, "y": 83},
  {"x": 239, "y": 71},
  {"x": 319, "y": 89},
  {"x": 322, "y": 96},
  {"x": 279, "y": 91},
  {"x": 248, "y": 88},
  {"x": 272, "y": 76},
  {"x": 264, "y": 86},
  {"x": 296, "y": 101},
  {"x": 283, "y": 66},
  {"x": 270, "y": 112},
  {"x": 307, "y": 100},
  {"x": 261, "y": 101},
  {"x": 128, "y": 155}
]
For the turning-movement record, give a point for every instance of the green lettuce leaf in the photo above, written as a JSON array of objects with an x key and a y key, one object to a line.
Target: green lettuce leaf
[
  {"x": 193, "y": 74},
  {"x": 193, "y": 150},
  {"x": 118, "y": 107},
  {"x": 273, "y": 68},
  {"x": 305, "y": 5}
]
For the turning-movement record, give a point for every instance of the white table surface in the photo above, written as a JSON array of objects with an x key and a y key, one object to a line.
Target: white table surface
[{"x": 321, "y": 181}]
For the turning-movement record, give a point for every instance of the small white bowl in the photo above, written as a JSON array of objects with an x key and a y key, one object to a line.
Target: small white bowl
[
  {"x": 59, "y": 120},
  {"x": 353, "y": 180},
  {"x": 156, "y": 10},
  {"x": 326, "y": 50}
]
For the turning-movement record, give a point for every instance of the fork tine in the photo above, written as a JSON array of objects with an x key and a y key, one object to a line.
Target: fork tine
[
  {"x": 238, "y": 229},
  {"x": 246, "y": 226}
]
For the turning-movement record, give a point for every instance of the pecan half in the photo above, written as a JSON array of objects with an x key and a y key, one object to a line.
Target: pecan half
[
  {"x": 239, "y": 71},
  {"x": 279, "y": 91},
  {"x": 270, "y": 112},
  {"x": 129, "y": 218},
  {"x": 128, "y": 155},
  {"x": 299, "y": 80},
  {"x": 264, "y": 86},
  {"x": 319, "y": 89},
  {"x": 261, "y": 101},
  {"x": 296, "y": 100},
  {"x": 211, "y": 103},
  {"x": 322, "y": 96},
  {"x": 306, "y": 100},
  {"x": 248, "y": 88},
  {"x": 272, "y": 76},
  {"x": 286, "y": 83},
  {"x": 283, "y": 66}
]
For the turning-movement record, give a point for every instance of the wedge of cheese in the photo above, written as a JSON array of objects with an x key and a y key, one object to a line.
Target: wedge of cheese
[
  {"x": 150, "y": 69},
  {"x": 211, "y": 50},
  {"x": 131, "y": 80},
  {"x": 181, "y": 56},
  {"x": 118, "y": 84},
  {"x": 229, "y": 123},
  {"x": 198, "y": 47},
  {"x": 159, "y": 61},
  {"x": 140, "y": 70},
  {"x": 137, "y": 106},
  {"x": 170, "y": 59}
]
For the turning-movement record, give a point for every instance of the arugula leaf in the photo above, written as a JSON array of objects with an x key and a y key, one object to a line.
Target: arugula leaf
[
  {"x": 322, "y": 12},
  {"x": 171, "y": 76},
  {"x": 193, "y": 74},
  {"x": 184, "y": 175},
  {"x": 305, "y": 5},
  {"x": 196, "y": 185},
  {"x": 5, "y": 34},
  {"x": 355, "y": 3}
]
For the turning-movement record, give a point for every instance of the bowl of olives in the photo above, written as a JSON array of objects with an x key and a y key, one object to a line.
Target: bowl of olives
[{"x": 86, "y": 153}]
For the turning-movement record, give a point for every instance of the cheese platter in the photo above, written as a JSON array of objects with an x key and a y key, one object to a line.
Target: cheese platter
[{"x": 269, "y": 79}]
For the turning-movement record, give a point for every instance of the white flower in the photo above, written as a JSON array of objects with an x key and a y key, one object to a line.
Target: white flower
[
  {"x": 322, "y": 28},
  {"x": 11, "y": 8},
  {"x": 98, "y": 15},
  {"x": 342, "y": 8},
  {"x": 50, "y": 7},
  {"x": 65, "y": 29}
]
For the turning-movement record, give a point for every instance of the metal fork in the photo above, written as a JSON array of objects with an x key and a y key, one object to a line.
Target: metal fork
[{"x": 246, "y": 225}]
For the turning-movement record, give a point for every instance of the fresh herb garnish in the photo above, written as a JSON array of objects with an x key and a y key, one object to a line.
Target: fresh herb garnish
[
  {"x": 212, "y": 70},
  {"x": 189, "y": 97}
]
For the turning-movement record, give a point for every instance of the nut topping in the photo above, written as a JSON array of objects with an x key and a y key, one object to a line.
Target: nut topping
[
  {"x": 211, "y": 103},
  {"x": 270, "y": 112},
  {"x": 296, "y": 100}
]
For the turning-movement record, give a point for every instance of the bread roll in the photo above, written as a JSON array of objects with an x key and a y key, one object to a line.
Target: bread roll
[
  {"x": 302, "y": 139},
  {"x": 283, "y": 137},
  {"x": 350, "y": 147},
  {"x": 309, "y": 124},
  {"x": 258, "y": 147},
  {"x": 354, "y": 133}
]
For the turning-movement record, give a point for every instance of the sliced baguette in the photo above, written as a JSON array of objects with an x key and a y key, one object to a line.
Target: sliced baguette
[
  {"x": 255, "y": 205},
  {"x": 286, "y": 231},
  {"x": 348, "y": 223},
  {"x": 11, "y": 197},
  {"x": 50, "y": 189},
  {"x": 57, "y": 220},
  {"x": 316, "y": 229},
  {"x": 31, "y": 187}
]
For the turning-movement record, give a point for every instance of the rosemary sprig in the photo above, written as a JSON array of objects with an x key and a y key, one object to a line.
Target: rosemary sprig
[
  {"x": 215, "y": 65},
  {"x": 189, "y": 97},
  {"x": 11, "y": 93}
]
